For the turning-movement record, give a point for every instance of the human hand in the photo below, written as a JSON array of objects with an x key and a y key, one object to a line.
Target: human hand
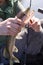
[
  {"x": 35, "y": 24},
  {"x": 11, "y": 26}
]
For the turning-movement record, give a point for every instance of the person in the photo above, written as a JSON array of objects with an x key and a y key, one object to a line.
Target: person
[
  {"x": 7, "y": 28},
  {"x": 6, "y": 11},
  {"x": 29, "y": 43},
  {"x": 31, "y": 25},
  {"x": 6, "y": 24},
  {"x": 13, "y": 21}
]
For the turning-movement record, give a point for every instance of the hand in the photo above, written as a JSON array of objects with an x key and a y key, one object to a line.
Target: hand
[
  {"x": 35, "y": 24},
  {"x": 11, "y": 26}
]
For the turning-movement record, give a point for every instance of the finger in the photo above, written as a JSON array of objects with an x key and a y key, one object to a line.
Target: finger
[
  {"x": 14, "y": 28},
  {"x": 32, "y": 24},
  {"x": 13, "y": 32},
  {"x": 8, "y": 25},
  {"x": 15, "y": 25},
  {"x": 19, "y": 22},
  {"x": 38, "y": 28}
]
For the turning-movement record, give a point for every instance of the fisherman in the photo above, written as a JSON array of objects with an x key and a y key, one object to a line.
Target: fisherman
[
  {"x": 5, "y": 12},
  {"x": 34, "y": 28},
  {"x": 30, "y": 44}
]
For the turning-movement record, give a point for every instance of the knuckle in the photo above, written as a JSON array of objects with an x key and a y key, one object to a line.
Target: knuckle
[
  {"x": 9, "y": 18},
  {"x": 8, "y": 23}
]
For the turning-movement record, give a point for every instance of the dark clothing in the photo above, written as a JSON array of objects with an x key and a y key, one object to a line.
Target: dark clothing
[
  {"x": 29, "y": 44},
  {"x": 5, "y": 12},
  {"x": 34, "y": 59}
]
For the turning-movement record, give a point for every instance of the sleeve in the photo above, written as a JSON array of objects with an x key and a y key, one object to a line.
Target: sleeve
[
  {"x": 12, "y": 11},
  {"x": 9, "y": 12}
]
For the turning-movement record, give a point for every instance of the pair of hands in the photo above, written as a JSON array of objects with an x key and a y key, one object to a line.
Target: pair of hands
[{"x": 12, "y": 26}]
